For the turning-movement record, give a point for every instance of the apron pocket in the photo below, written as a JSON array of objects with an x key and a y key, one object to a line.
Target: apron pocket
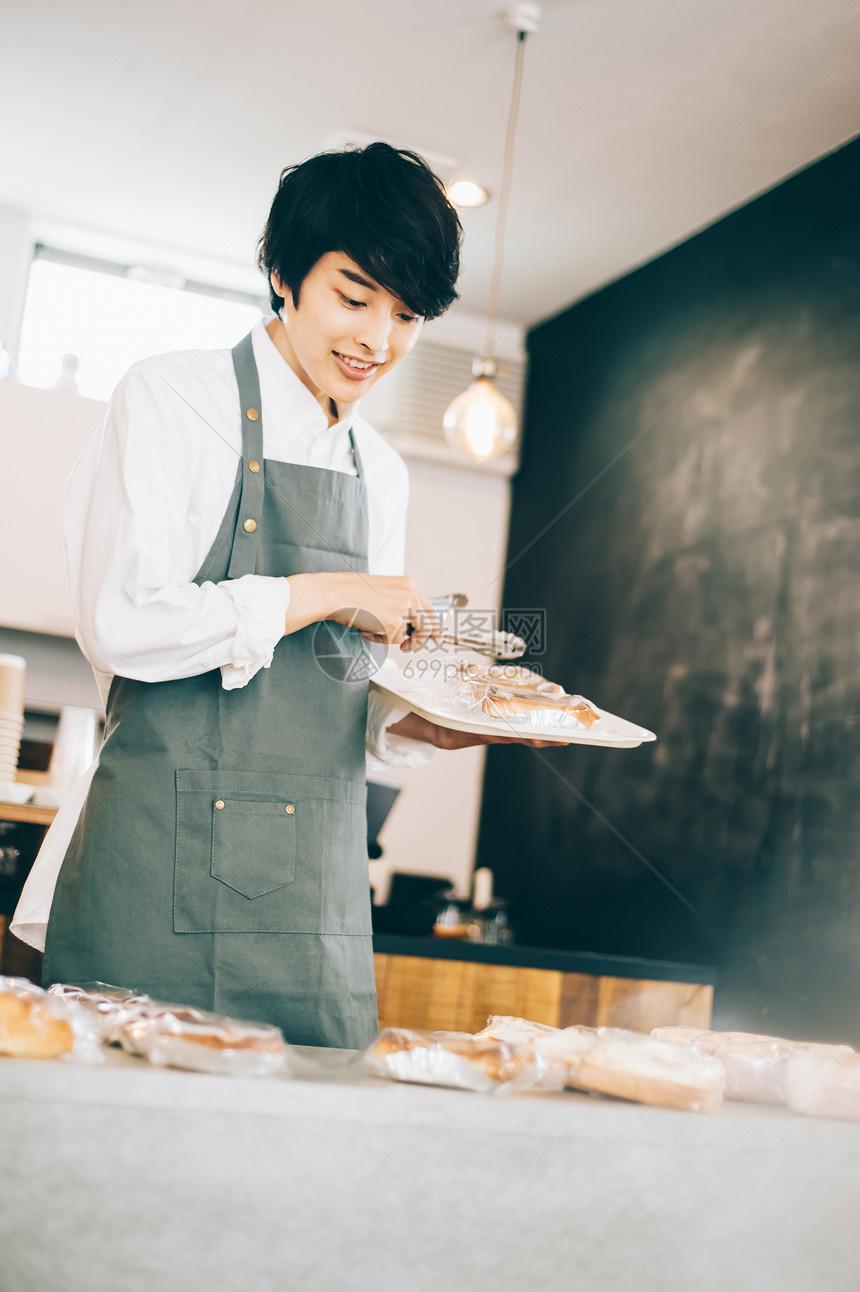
[
  {"x": 253, "y": 845},
  {"x": 253, "y": 866}
]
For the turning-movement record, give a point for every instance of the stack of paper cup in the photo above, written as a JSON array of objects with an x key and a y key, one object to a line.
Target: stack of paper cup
[{"x": 12, "y": 669}]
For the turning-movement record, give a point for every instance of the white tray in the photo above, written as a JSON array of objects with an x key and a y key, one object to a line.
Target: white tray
[{"x": 390, "y": 681}]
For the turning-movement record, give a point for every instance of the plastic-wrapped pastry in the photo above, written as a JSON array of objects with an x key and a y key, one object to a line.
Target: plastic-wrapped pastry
[
  {"x": 180, "y": 1036},
  {"x": 552, "y": 711},
  {"x": 565, "y": 1045},
  {"x": 107, "y": 1007},
  {"x": 824, "y": 1085},
  {"x": 462, "y": 1061},
  {"x": 507, "y": 1027},
  {"x": 29, "y": 1027},
  {"x": 569, "y": 1045},
  {"x": 756, "y": 1066},
  {"x": 516, "y": 694},
  {"x": 631, "y": 1066},
  {"x": 511, "y": 675}
]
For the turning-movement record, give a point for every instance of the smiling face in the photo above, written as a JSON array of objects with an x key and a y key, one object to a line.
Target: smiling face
[{"x": 345, "y": 332}]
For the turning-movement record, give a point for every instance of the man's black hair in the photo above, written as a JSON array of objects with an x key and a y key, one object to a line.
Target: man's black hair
[{"x": 383, "y": 207}]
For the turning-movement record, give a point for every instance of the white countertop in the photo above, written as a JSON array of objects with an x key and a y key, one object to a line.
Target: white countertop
[{"x": 123, "y": 1177}]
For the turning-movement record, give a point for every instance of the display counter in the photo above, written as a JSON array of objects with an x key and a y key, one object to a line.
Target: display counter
[
  {"x": 455, "y": 985},
  {"x": 128, "y": 1178}
]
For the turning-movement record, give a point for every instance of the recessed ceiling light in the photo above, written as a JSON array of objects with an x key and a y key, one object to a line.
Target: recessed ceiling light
[{"x": 463, "y": 192}]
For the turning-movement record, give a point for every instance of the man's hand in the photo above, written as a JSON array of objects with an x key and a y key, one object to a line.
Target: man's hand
[
  {"x": 417, "y": 728},
  {"x": 383, "y": 607}
]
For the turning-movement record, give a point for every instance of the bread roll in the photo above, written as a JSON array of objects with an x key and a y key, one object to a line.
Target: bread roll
[
  {"x": 29, "y": 1031},
  {"x": 652, "y": 1072}
]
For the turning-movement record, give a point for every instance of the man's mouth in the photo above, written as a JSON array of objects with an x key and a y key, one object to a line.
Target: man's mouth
[{"x": 355, "y": 369}]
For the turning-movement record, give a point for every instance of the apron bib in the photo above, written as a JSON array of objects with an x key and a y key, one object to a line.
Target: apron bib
[{"x": 221, "y": 859}]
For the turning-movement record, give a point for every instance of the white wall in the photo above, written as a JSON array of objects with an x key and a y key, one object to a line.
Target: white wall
[
  {"x": 42, "y": 433},
  {"x": 456, "y": 542},
  {"x": 16, "y": 249}
]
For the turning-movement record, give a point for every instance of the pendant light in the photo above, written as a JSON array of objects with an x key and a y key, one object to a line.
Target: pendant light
[{"x": 481, "y": 424}]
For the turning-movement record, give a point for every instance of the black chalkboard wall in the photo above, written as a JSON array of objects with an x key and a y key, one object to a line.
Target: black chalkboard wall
[{"x": 706, "y": 585}]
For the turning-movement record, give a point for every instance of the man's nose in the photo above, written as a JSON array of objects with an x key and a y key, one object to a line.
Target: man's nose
[{"x": 373, "y": 331}]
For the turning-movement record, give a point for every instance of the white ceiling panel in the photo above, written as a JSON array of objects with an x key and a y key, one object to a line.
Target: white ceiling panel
[{"x": 641, "y": 122}]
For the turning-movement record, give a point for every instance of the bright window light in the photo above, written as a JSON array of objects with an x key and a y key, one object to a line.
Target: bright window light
[{"x": 109, "y": 321}]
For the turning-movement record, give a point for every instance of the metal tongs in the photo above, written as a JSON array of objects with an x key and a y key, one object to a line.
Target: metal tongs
[{"x": 495, "y": 644}]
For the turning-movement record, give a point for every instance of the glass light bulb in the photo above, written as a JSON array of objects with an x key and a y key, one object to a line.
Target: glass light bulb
[
  {"x": 481, "y": 423},
  {"x": 465, "y": 192}
]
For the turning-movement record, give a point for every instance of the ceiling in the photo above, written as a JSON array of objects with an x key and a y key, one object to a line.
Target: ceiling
[{"x": 640, "y": 123}]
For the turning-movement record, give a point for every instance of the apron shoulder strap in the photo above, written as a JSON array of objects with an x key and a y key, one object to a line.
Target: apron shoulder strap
[{"x": 243, "y": 558}]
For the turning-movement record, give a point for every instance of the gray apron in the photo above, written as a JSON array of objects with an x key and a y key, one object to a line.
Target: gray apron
[{"x": 221, "y": 857}]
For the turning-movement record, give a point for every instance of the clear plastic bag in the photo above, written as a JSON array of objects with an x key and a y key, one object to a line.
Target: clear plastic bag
[
  {"x": 824, "y": 1085},
  {"x": 108, "y": 1007},
  {"x": 510, "y": 694},
  {"x": 34, "y": 1026},
  {"x": 568, "y": 1045},
  {"x": 507, "y": 1027},
  {"x": 510, "y": 675},
  {"x": 523, "y": 706},
  {"x": 631, "y": 1066},
  {"x": 756, "y": 1066},
  {"x": 461, "y": 1061},
  {"x": 180, "y": 1036}
]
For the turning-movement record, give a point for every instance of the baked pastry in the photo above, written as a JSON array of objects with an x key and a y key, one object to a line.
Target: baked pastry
[
  {"x": 824, "y": 1085},
  {"x": 568, "y": 1045},
  {"x": 651, "y": 1072},
  {"x": 259, "y": 1042},
  {"x": 107, "y": 1008},
  {"x": 451, "y": 1059},
  {"x": 507, "y": 1027},
  {"x": 512, "y": 675},
  {"x": 756, "y": 1066},
  {"x": 29, "y": 1031},
  {"x": 501, "y": 703},
  {"x": 181, "y": 1036}
]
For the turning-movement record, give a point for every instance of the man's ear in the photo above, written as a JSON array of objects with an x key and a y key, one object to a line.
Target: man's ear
[{"x": 280, "y": 287}]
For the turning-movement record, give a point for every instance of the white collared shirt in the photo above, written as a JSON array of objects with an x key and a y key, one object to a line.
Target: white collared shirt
[
  {"x": 143, "y": 505},
  {"x": 146, "y": 498}
]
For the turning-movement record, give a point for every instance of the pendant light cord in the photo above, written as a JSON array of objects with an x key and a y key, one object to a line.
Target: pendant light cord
[{"x": 504, "y": 196}]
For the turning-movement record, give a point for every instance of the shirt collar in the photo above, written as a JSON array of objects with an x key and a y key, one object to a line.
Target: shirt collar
[{"x": 290, "y": 393}]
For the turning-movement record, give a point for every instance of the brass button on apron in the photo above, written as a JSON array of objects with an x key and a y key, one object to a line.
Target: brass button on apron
[
  {"x": 249, "y": 526},
  {"x": 219, "y": 803},
  {"x": 289, "y": 809},
  {"x": 252, "y": 414},
  {"x": 253, "y": 466}
]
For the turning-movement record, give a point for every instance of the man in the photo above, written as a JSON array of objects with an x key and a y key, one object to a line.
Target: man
[{"x": 232, "y": 520}]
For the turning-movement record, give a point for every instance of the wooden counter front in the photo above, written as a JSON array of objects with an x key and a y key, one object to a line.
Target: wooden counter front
[{"x": 459, "y": 996}]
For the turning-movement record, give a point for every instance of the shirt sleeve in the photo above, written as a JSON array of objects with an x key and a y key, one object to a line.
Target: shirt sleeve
[
  {"x": 126, "y": 524},
  {"x": 385, "y": 750}
]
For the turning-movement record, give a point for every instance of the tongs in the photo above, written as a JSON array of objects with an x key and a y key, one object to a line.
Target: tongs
[{"x": 496, "y": 644}]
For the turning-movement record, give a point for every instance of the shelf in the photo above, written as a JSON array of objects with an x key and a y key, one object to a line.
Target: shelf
[{"x": 27, "y": 813}]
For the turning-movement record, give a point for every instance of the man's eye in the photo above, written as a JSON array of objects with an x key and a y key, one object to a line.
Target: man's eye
[
  {"x": 355, "y": 305},
  {"x": 409, "y": 318}
]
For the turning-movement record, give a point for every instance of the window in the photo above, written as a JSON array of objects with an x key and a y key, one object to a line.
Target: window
[{"x": 110, "y": 315}]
